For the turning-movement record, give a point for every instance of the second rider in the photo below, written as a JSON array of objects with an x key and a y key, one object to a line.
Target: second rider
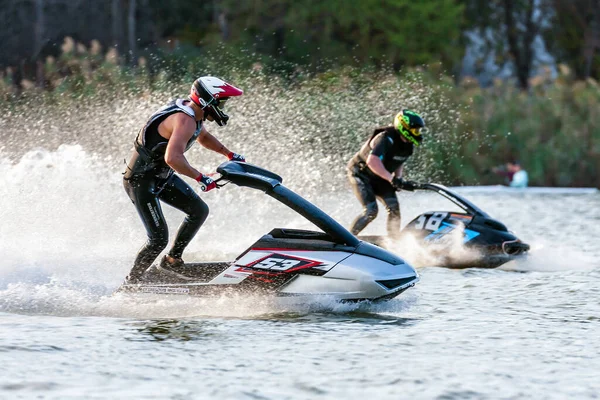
[{"x": 375, "y": 171}]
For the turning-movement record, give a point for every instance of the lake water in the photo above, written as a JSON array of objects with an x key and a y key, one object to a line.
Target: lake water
[{"x": 68, "y": 235}]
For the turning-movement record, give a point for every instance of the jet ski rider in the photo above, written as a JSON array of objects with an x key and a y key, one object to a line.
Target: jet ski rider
[
  {"x": 159, "y": 153},
  {"x": 375, "y": 172}
]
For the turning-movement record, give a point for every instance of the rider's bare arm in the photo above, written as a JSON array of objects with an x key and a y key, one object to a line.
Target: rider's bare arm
[
  {"x": 399, "y": 171},
  {"x": 212, "y": 143},
  {"x": 379, "y": 145},
  {"x": 182, "y": 129},
  {"x": 376, "y": 165}
]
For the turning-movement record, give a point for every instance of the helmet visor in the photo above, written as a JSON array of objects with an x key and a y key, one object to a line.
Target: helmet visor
[{"x": 416, "y": 131}]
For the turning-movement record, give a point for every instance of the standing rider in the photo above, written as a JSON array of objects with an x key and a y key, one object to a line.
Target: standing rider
[
  {"x": 159, "y": 152},
  {"x": 375, "y": 172}
]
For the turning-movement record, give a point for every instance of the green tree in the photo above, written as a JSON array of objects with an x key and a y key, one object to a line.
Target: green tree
[
  {"x": 509, "y": 28},
  {"x": 576, "y": 35},
  {"x": 376, "y": 32}
]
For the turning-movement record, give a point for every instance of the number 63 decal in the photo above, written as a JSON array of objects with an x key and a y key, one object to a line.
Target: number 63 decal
[{"x": 277, "y": 264}]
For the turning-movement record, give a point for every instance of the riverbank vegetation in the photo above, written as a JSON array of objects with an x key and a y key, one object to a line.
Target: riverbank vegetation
[{"x": 553, "y": 129}]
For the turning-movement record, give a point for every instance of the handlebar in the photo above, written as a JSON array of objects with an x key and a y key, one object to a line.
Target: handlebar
[
  {"x": 220, "y": 181},
  {"x": 452, "y": 196}
]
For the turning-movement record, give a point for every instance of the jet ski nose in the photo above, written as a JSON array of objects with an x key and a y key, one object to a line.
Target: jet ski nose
[
  {"x": 396, "y": 283},
  {"x": 514, "y": 247}
]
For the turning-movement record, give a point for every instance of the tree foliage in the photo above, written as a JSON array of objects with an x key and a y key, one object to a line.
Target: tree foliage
[
  {"x": 377, "y": 32},
  {"x": 509, "y": 28},
  {"x": 577, "y": 35},
  {"x": 307, "y": 34}
]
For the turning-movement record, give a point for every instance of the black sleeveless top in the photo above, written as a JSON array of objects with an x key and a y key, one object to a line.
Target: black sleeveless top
[
  {"x": 150, "y": 147},
  {"x": 386, "y": 144}
]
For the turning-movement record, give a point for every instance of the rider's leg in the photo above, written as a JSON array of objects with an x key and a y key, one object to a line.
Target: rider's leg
[
  {"x": 180, "y": 195},
  {"x": 141, "y": 193},
  {"x": 363, "y": 191},
  {"x": 386, "y": 193},
  {"x": 394, "y": 217}
]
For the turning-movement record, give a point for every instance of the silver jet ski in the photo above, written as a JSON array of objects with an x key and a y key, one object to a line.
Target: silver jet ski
[{"x": 288, "y": 262}]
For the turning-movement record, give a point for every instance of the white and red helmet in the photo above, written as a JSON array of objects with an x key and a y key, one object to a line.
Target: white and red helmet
[{"x": 210, "y": 93}]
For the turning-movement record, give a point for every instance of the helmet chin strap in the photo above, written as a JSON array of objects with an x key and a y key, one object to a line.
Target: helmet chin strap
[{"x": 200, "y": 102}]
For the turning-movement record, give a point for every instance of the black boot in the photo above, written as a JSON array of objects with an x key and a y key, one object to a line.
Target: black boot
[
  {"x": 134, "y": 277},
  {"x": 175, "y": 269},
  {"x": 172, "y": 266}
]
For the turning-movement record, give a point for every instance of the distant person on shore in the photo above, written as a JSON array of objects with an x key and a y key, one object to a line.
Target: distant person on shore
[
  {"x": 159, "y": 152},
  {"x": 375, "y": 171},
  {"x": 516, "y": 176}
]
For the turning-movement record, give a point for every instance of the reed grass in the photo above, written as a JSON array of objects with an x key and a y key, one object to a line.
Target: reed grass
[{"x": 553, "y": 130}]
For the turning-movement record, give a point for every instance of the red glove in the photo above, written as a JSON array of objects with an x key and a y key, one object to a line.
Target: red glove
[
  {"x": 236, "y": 157},
  {"x": 206, "y": 182}
]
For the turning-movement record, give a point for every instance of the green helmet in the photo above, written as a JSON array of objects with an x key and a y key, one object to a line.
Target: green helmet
[{"x": 410, "y": 125}]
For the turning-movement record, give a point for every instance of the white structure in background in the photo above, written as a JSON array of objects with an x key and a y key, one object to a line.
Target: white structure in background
[{"x": 481, "y": 63}]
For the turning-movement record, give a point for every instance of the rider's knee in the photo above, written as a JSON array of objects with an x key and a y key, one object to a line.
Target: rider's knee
[
  {"x": 392, "y": 207},
  {"x": 394, "y": 212},
  {"x": 199, "y": 211},
  {"x": 370, "y": 211}
]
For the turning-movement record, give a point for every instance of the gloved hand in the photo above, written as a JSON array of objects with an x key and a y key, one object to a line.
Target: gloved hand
[
  {"x": 400, "y": 184},
  {"x": 236, "y": 157},
  {"x": 206, "y": 182},
  {"x": 397, "y": 184},
  {"x": 409, "y": 185}
]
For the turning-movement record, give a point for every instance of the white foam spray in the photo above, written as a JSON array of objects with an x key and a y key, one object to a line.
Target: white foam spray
[{"x": 69, "y": 234}]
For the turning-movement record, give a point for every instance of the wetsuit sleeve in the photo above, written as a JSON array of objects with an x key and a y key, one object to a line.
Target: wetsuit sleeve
[{"x": 380, "y": 144}]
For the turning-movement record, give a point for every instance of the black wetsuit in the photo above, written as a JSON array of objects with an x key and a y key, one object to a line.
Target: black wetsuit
[
  {"x": 149, "y": 179},
  {"x": 386, "y": 144}
]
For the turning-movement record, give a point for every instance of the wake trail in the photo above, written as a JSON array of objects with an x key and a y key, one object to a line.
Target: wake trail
[{"x": 69, "y": 235}]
